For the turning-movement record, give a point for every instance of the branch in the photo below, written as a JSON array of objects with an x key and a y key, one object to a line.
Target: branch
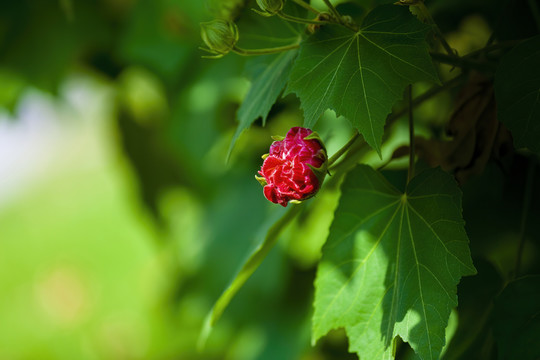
[{"x": 463, "y": 62}]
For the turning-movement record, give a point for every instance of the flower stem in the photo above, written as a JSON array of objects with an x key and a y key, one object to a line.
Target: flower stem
[
  {"x": 343, "y": 149},
  {"x": 307, "y": 6},
  {"x": 252, "y": 52},
  {"x": 300, "y": 20},
  {"x": 333, "y": 10},
  {"x": 412, "y": 150}
]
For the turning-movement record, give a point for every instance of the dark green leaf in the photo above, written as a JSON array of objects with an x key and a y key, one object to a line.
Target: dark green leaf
[
  {"x": 361, "y": 74},
  {"x": 475, "y": 293},
  {"x": 517, "y": 320},
  {"x": 517, "y": 90},
  {"x": 270, "y": 79},
  {"x": 268, "y": 74},
  {"x": 392, "y": 262}
]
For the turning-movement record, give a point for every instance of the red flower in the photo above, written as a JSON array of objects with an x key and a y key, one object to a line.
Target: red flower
[{"x": 294, "y": 168}]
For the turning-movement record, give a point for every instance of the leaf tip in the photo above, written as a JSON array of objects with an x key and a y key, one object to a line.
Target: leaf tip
[
  {"x": 205, "y": 332},
  {"x": 235, "y": 137}
]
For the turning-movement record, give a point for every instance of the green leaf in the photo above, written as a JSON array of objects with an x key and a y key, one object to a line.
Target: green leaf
[
  {"x": 268, "y": 74},
  {"x": 270, "y": 77},
  {"x": 361, "y": 74},
  {"x": 517, "y": 319},
  {"x": 517, "y": 90},
  {"x": 391, "y": 263},
  {"x": 248, "y": 268}
]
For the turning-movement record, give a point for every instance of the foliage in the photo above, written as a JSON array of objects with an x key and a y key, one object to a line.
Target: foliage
[
  {"x": 516, "y": 85},
  {"x": 391, "y": 263},
  {"x": 422, "y": 241},
  {"x": 361, "y": 74}
]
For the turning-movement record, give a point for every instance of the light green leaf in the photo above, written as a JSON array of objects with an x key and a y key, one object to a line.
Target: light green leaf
[
  {"x": 517, "y": 319},
  {"x": 517, "y": 90},
  {"x": 362, "y": 74},
  {"x": 391, "y": 263},
  {"x": 270, "y": 77}
]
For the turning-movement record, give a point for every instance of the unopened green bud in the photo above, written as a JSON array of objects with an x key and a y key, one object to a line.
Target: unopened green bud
[
  {"x": 220, "y": 36},
  {"x": 270, "y": 7}
]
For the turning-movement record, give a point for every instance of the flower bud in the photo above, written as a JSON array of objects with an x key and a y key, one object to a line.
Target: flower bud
[
  {"x": 295, "y": 167},
  {"x": 270, "y": 7},
  {"x": 220, "y": 36}
]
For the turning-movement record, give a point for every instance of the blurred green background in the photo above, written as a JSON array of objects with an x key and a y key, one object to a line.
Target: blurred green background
[{"x": 121, "y": 221}]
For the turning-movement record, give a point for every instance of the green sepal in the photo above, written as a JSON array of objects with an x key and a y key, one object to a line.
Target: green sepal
[
  {"x": 219, "y": 35},
  {"x": 269, "y": 7},
  {"x": 278, "y": 137},
  {"x": 261, "y": 180},
  {"x": 315, "y": 136},
  {"x": 295, "y": 201},
  {"x": 264, "y": 156},
  {"x": 321, "y": 171}
]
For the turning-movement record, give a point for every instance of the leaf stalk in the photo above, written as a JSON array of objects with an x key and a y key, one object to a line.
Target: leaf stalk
[
  {"x": 254, "y": 52},
  {"x": 343, "y": 149},
  {"x": 333, "y": 10},
  {"x": 301, "y": 20}
]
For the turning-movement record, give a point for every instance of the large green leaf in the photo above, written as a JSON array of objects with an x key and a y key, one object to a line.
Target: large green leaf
[
  {"x": 517, "y": 90},
  {"x": 361, "y": 74},
  {"x": 391, "y": 263},
  {"x": 517, "y": 319}
]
